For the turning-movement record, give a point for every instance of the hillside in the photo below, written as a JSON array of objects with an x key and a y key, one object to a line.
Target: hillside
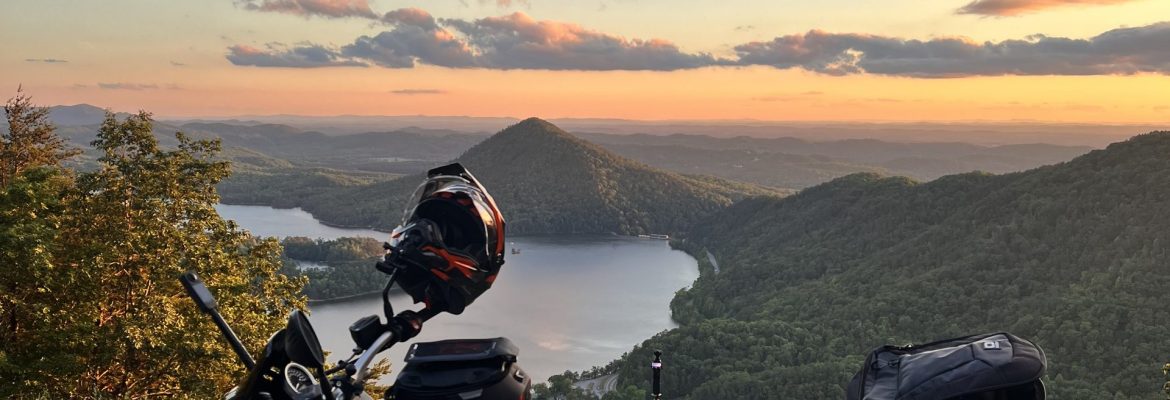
[
  {"x": 1073, "y": 256},
  {"x": 547, "y": 181}
]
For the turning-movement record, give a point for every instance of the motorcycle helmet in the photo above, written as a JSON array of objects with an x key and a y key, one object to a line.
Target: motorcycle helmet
[{"x": 450, "y": 245}]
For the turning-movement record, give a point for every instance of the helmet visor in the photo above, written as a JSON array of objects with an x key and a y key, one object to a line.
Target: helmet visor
[
  {"x": 481, "y": 205},
  {"x": 443, "y": 183}
]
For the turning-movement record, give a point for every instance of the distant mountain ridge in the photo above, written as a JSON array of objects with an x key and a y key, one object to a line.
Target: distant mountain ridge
[
  {"x": 797, "y": 163},
  {"x": 780, "y": 162},
  {"x": 312, "y": 147},
  {"x": 1072, "y": 256},
  {"x": 547, "y": 181},
  {"x": 783, "y": 162},
  {"x": 75, "y": 115}
]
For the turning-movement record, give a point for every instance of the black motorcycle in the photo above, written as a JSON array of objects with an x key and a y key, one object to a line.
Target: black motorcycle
[
  {"x": 445, "y": 254},
  {"x": 292, "y": 365}
]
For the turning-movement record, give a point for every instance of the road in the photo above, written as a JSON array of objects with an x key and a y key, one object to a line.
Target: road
[{"x": 599, "y": 386}]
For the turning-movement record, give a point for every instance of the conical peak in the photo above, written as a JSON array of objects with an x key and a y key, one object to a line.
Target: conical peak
[{"x": 535, "y": 126}]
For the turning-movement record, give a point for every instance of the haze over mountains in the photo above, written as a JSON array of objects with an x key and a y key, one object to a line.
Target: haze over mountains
[
  {"x": 974, "y": 132},
  {"x": 782, "y": 162},
  {"x": 985, "y": 133}
]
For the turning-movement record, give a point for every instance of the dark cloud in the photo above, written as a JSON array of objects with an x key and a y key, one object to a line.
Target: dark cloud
[
  {"x": 518, "y": 41},
  {"x": 1117, "y": 52},
  {"x": 416, "y": 36},
  {"x": 515, "y": 41},
  {"x": 46, "y": 60},
  {"x": 127, "y": 86},
  {"x": 178, "y": 64},
  {"x": 1001, "y": 8},
  {"x": 300, "y": 56},
  {"x": 306, "y": 8},
  {"x": 414, "y": 92}
]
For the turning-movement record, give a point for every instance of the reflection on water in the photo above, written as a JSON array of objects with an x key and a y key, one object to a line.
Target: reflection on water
[
  {"x": 568, "y": 302},
  {"x": 268, "y": 221}
]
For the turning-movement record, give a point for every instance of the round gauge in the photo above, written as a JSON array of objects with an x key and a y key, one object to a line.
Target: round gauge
[{"x": 298, "y": 380}]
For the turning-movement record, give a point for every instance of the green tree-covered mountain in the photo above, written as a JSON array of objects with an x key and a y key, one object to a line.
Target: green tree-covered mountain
[
  {"x": 546, "y": 181},
  {"x": 1073, "y": 256}
]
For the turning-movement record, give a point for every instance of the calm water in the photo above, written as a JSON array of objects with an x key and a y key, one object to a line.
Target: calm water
[{"x": 569, "y": 303}]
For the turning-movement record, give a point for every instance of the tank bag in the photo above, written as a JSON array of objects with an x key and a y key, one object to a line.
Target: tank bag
[{"x": 995, "y": 366}]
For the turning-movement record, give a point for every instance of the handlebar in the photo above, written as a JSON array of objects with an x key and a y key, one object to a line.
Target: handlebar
[{"x": 402, "y": 327}]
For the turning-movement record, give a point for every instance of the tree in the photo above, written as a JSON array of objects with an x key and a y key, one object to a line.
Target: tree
[
  {"x": 31, "y": 140},
  {"x": 560, "y": 387},
  {"x": 120, "y": 324},
  {"x": 32, "y": 189}
]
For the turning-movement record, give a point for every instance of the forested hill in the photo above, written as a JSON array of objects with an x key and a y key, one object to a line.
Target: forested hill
[
  {"x": 547, "y": 181},
  {"x": 1074, "y": 256}
]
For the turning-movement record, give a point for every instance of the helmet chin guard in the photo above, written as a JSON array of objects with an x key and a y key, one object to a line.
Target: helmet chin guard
[{"x": 450, "y": 245}]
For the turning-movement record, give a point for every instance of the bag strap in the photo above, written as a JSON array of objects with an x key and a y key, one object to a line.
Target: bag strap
[{"x": 864, "y": 375}]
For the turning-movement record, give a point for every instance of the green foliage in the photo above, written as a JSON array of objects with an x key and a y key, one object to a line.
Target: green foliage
[
  {"x": 92, "y": 306},
  {"x": 32, "y": 188},
  {"x": 340, "y": 249},
  {"x": 290, "y": 187},
  {"x": 30, "y": 216},
  {"x": 30, "y": 140},
  {"x": 627, "y": 393},
  {"x": 341, "y": 279},
  {"x": 560, "y": 387},
  {"x": 349, "y": 266},
  {"x": 1071, "y": 256}
]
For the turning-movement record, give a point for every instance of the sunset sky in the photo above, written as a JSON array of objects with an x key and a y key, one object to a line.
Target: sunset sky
[{"x": 827, "y": 60}]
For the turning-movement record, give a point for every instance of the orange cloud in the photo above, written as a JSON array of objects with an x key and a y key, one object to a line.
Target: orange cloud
[
  {"x": 1122, "y": 51},
  {"x": 1001, "y": 8},
  {"x": 518, "y": 41}
]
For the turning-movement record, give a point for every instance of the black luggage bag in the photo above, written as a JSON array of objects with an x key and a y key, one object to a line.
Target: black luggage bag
[{"x": 996, "y": 366}]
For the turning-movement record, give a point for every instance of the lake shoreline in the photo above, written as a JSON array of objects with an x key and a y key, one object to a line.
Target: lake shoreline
[
  {"x": 570, "y": 301},
  {"x": 343, "y": 299},
  {"x": 516, "y": 235}
]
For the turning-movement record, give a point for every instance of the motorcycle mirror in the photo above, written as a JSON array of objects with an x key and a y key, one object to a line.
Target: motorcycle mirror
[
  {"x": 198, "y": 291},
  {"x": 300, "y": 341},
  {"x": 206, "y": 302}
]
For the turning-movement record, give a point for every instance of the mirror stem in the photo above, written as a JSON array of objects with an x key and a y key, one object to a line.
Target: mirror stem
[{"x": 233, "y": 340}]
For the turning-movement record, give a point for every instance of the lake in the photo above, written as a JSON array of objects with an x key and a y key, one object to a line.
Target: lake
[{"x": 568, "y": 302}]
